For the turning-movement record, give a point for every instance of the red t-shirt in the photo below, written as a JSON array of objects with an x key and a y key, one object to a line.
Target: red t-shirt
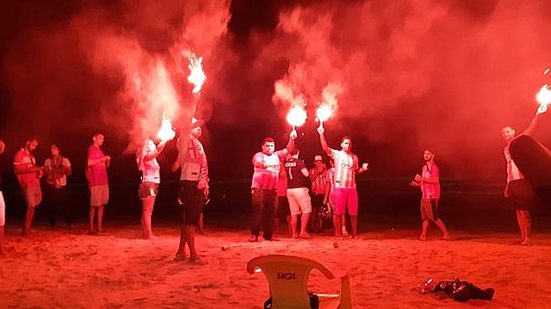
[
  {"x": 97, "y": 173},
  {"x": 26, "y": 159}
]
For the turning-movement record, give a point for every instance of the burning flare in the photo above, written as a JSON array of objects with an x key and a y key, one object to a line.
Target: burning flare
[
  {"x": 329, "y": 102},
  {"x": 323, "y": 113},
  {"x": 544, "y": 98},
  {"x": 296, "y": 116},
  {"x": 196, "y": 75},
  {"x": 166, "y": 132}
]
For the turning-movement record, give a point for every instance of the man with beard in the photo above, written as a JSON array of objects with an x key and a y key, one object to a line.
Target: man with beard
[
  {"x": 429, "y": 182},
  {"x": 28, "y": 176},
  {"x": 345, "y": 193}
]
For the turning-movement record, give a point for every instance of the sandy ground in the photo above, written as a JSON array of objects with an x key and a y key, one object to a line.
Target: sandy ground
[{"x": 60, "y": 268}]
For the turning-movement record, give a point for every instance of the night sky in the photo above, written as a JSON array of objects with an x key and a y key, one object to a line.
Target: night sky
[{"x": 444, "y": 75}]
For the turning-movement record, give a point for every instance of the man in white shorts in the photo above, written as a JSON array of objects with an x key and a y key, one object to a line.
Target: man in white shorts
[{"x": 297, "y": 193}]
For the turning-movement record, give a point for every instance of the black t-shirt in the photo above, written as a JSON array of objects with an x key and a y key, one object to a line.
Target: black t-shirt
[{"x": 295, "y": 178}]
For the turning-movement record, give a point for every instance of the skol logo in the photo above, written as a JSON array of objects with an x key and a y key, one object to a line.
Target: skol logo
[{"x": 286, "y": 276}]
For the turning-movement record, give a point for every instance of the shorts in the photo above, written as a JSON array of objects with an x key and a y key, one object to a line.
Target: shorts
[
  {"x": 2, "y": 210},
  {"x": 33, "y": 194},
  {"x": 345, "y": 199},
  {"x": 192, "y": 200},
  {"x": 299, "y": 201},
  {"x": 283, "y": 209},
  {"x": 147, "y": 189},
  {"x": 521, "y": 195},
  {"x": 429, "y": 209},
  {"x": 99, "y": 195}
]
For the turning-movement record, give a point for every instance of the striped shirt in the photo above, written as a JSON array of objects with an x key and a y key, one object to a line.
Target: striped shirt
[
  {"x": 346, "y": 165},
  {"x": 430, "y": 190},
  {"x": 267, "y": 176},
  {"x": 320, "y": 182},
  {"x": 512, "y": 170}
]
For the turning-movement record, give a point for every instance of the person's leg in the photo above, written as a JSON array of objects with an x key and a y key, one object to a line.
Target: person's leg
[
  {"x": 354, "y": 224},
  {"x": 295, "y": 211},
  {"x": 200, "y": 225},
  {"x": 269, "y": 214},
  {"x": 2, "y": 251},
  {"x": 304, "y": 225},
  {"x": 190, "y": 240},
  {"x": 527, "y": 225},
  {"x": 520, "y": 221},
  {"x": 339, "y": 209},
  {"x": 443, "y": 229},
  {"x": 91, "y": 217},
  {"x": 257, "y": 205},
  {"x": 2, "y": 222},
  {"x": 191, "y": 224},
  {"x": 305, "y": 204},
  {"x": 426, "y": 215},
  {"x": 28, "y": 219},
  {"x": 100, "y": 219},
  {"x": 436, "y": 219},
  {"x": 294, "y": 220},
  {"x": 33, "y": 197},
  {"x": 180, "y": 254},
  {"x": 337, "y": 224},
  {"x": 147, "y": 210},
  {"x": 424, "y": 229},
  {"x": 352, "y": 202}
]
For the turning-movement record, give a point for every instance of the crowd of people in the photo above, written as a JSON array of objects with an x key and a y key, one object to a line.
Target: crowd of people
[{"x": 282, "y": 188}]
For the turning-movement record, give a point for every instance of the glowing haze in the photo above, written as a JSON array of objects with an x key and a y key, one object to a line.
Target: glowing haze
[{"x": 399, "y": 76}]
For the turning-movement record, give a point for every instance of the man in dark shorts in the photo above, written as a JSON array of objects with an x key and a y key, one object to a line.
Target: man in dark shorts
[
  {"x": 193, "y": 190},
  {"x": 429, "y": 182},
  {"x": 518, "y": 192}
]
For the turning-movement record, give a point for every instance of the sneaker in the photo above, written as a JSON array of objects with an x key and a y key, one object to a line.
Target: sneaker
[{"x": 253, "y": 238}]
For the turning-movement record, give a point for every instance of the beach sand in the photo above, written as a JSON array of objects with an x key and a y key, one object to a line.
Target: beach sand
[{"x": 67, "y": 268}]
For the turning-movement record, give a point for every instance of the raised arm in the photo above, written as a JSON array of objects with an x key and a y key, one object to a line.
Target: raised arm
[
  {"x": 532, "y": 125},
  {"x": 323, "y": 142},
  {"x": 290, "y": 143}
]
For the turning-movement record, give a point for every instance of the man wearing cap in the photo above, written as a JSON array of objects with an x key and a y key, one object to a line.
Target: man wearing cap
[
  {"x": 266, "y": 165},
  {"x": 345, "y": 193},
  {"x": 193, "y": 190},
  {"x": 320, "y": 191},
  {"x": 28, "y": 176},
  {"x": 429, "y": 182}
]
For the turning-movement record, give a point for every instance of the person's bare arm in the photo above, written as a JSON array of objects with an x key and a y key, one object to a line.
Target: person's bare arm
[{"x": 323, "y": 142}]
